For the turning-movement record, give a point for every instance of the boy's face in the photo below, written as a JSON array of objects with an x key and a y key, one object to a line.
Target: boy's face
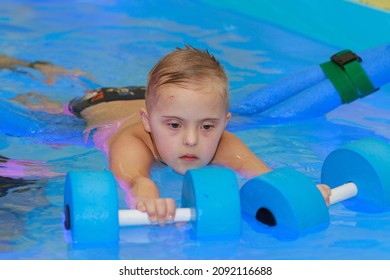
[{"x": 186, "y": 125}]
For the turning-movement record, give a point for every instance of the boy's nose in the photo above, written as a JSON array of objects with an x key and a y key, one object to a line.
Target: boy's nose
[{"x": 191, "y": 138}]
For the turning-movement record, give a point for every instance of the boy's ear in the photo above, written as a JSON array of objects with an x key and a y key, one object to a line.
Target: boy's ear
[
  {"x": 145, "y": 119},
  {"x": 228, "y": 117}
]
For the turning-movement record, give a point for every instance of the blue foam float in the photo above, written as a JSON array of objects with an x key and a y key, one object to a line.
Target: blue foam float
[
  {"x": 309, "y": 93},
  {"x": 366, "y": 163},
  {"x": 287, "y": 199},
  {"x": 212, "y": 193},
  {"x": 91, "y": 207}
]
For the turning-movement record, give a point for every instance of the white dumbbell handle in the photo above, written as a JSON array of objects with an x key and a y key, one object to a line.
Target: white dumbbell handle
[
  {"x": 343, "y": 192},
  {"x": 138, "y": 218}
]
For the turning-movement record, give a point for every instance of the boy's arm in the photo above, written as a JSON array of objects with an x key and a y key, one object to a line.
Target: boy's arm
[
  {"x": 233, "y": 153},
  {"x": 130, "y": 161}
]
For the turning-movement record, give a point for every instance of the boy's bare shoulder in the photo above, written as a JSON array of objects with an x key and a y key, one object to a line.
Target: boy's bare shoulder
[{"x": 130, "y": 134}]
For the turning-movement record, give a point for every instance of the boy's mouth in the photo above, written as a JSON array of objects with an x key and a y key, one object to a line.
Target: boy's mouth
[{"x": 189, "y": 157}]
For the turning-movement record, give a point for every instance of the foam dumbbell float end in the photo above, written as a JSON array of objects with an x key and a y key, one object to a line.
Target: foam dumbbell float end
[
  {"x": 366, "y": 164},
  {"x": 91, "y": 207},
  {"x": 212, "y": 194},
  {"x": 286, "y": 198}
]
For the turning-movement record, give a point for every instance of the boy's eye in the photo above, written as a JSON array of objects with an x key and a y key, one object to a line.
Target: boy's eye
[
  {"x": 174, "y": 125},
  {"x": 207, "y": 126}
]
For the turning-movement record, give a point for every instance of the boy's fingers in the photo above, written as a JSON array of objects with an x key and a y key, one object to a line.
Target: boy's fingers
[
  {"x": 151, "y": 209},
  {"x": 140, "y": 206},
  {"x": 171, "y": 209},
  {"x": 161, "y": 209}
]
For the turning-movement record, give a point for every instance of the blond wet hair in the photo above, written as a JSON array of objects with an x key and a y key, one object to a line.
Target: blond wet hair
[{"x": 186, "y": 67}]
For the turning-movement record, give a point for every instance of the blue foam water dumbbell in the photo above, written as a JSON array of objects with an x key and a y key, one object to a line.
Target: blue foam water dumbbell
[
  {"x": 210, "y": 196},
  {"x": 287, "y": 198}
]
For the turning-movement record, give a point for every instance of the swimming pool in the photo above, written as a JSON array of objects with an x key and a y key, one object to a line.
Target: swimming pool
[{"x": 118, "y": 42}]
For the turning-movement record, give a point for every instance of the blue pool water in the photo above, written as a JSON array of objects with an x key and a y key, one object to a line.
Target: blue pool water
[{"x": 117, "y": 42}]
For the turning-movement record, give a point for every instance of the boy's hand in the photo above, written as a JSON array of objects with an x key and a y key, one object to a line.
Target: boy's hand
[
  {"x": 159, "y": 210},
  {"x": 145, "y": 197},
  {"x": 326, "y": 192}
]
